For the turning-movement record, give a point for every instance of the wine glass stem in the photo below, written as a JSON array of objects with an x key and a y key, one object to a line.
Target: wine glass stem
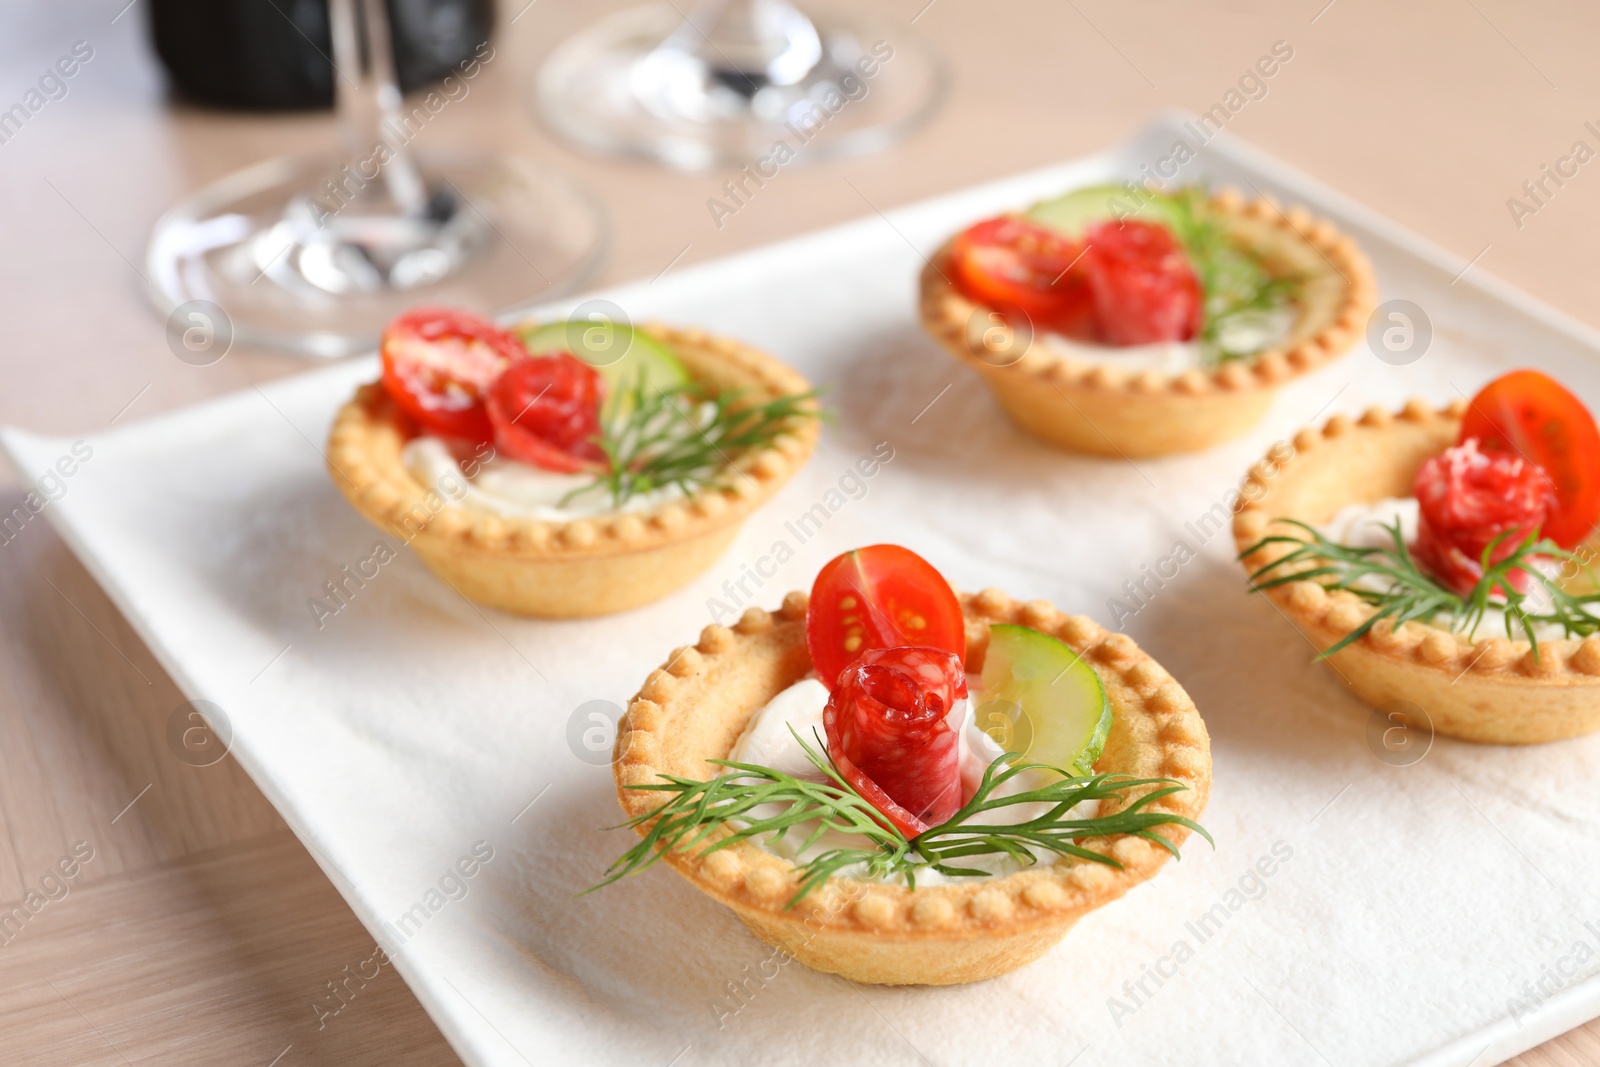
[
  {"x": 755, "y": 38},
  {"x": 367, "y": 98}
]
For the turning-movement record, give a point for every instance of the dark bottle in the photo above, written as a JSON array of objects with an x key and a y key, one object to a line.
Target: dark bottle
[{"x": 271, "y": 54}]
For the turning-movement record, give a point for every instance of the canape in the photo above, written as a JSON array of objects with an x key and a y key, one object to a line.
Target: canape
[
  {"x": 1123, "y": 321},
  {"x": 568, "y": 469},
  {"x": 1441, "y": 557},
  {"x": 902, "y": 786}
]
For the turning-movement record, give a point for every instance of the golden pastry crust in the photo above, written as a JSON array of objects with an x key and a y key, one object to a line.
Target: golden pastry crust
[
  {"x": 1489, "y": 689},
  {"x": 582, "y": 567},
  {"x": 1101, "y": 408},
  {"x": 697, "y": 704}
]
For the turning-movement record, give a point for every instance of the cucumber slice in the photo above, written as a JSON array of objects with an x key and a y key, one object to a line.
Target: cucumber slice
[
  {"x": 1072, "y": 214},
  {"x": 1062, "y": 714},
  {"x": 620, "y": 353}
]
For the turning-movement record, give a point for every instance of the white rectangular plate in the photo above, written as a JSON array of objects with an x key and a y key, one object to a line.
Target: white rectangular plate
[{"x": 1438, "y": 913}]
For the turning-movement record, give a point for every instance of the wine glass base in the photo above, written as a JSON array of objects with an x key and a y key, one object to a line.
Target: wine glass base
[
  {"x": 300, "y": 254},
  {"x": 614, "y": 89}
]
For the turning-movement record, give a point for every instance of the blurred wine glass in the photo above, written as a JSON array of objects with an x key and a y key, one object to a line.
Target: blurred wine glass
[
  {"x": 734, "y": 78},
  {"x": 317, "y": 253}
]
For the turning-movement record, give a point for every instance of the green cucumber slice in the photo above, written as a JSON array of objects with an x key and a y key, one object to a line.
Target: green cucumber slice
[
  {"x": 1061, "y": 714},
  {"x": 620, "y": 353},
  {"x": 1071, "y": 214}
]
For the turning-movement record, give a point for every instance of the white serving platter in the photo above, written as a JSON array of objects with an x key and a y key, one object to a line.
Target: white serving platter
[{"x": 1441, "y": 913}]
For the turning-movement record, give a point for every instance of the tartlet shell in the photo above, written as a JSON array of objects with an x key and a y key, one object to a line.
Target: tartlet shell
[
  {"x": 582, "y": 567},
  {"x": 1100, "y": 408},
  {"x": 1490, "y": 689},
  {"x": 695, "y": 706}
]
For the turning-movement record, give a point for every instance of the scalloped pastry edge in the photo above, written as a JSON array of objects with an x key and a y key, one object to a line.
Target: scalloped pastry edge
[
  {"x": 847, "y": 917},
  {"x": 1150, "y": 413},
  {"x": 1500, "y": 692},
  {"x": 381, "y": 488},
  {"x": 946, "y": 314},
  {"x": 1311, "y": 605}
]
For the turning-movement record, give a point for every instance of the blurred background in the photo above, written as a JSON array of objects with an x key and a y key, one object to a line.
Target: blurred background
[
  {"x": 181, "y": 948},
  {"x": 1433, "y": 114}
]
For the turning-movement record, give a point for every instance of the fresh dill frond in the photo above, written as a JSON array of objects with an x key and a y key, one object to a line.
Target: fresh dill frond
[
  {"x": 684, "y": 436},
  {"x": 1054, "y": 829},
  {"x": 1412, "y": 594},
  {"x": 698, "y": 809},
  {"x": 1235, "y": 286}
]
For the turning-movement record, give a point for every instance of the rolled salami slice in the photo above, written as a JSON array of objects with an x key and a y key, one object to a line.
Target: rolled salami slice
[{"x": 890, "y": 736}]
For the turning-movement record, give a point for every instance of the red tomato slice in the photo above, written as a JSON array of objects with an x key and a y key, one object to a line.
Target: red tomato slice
[
  {"x": 882, "y": 596},
  {"x": 437, "y": 365},
  {"x": 1532, "y": 414},
  {"x": 1008, "y": 263},
  {"x": 545, "y": 410}
]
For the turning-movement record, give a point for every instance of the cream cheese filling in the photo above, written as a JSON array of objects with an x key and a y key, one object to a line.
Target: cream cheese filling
[
  {"x": 511, "y": 489},
  {"x": 1242, "y": 335}
]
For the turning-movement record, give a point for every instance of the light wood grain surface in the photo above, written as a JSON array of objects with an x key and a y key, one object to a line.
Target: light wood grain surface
[{"x": 200, "y": 931}]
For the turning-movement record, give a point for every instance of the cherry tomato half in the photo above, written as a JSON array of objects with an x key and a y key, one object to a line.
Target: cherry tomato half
[
  {"x": 882, "y": 596},
  {"x": 438, "y": 364},
  {"x": 546, "y": 411},
  {"x": 1534, "y": 415},
  {"x": 1007, "y": 263}
]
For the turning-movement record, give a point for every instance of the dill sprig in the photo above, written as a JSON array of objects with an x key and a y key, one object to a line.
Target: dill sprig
[
  {"x": 683, "y": 435},
  {"x": 698, "y": 809},
  {"x": 1412, "y": 594},
  {"x": 1234, "y": 284}
]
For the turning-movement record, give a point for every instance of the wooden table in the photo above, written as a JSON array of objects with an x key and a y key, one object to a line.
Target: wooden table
[{"x": 201, "y": 930}]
